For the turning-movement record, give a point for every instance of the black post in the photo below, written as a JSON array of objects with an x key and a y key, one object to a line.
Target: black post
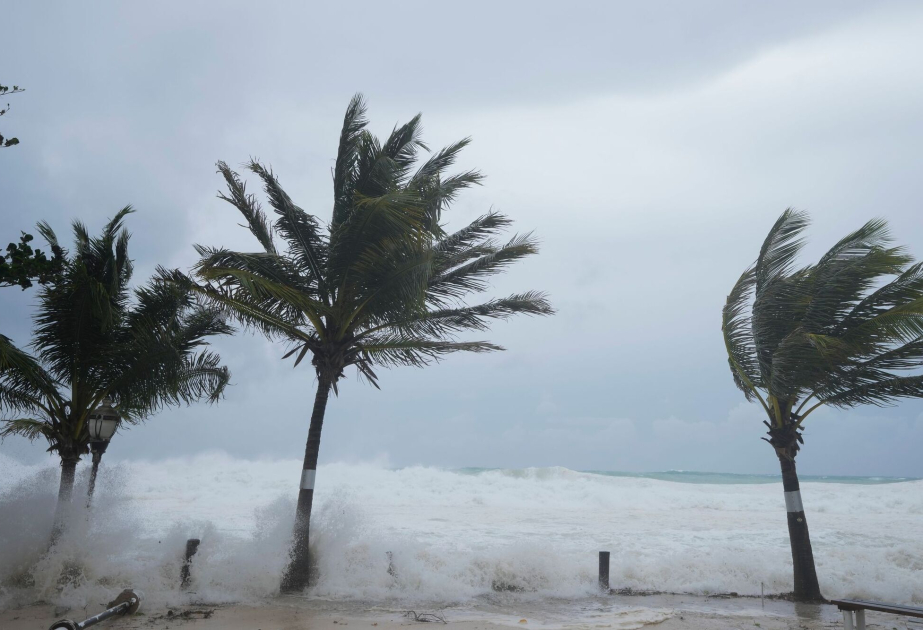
[
  {"x": 97, "y": 448},
  {"x": 192, "y": 545},
  {"x": 93, "y": 471},
  {"x": 604, "y": 571}
]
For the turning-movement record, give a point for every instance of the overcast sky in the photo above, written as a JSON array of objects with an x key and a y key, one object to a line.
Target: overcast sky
[{"x": 650, "y": 145}]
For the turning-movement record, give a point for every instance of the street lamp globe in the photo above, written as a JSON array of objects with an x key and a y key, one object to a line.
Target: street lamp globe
[{"x": 103, "y": 421}]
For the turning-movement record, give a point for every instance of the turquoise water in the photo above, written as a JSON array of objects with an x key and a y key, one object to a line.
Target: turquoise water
[{"x": 686, "y": 476}]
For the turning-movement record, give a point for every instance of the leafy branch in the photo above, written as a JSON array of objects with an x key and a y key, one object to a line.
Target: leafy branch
[
  {"x": 4, "y": 91},
  {"x": 21, "y": 265}
]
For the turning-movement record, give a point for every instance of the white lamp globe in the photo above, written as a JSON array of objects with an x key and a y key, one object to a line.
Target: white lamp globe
[{"x": 103, "y": 421}]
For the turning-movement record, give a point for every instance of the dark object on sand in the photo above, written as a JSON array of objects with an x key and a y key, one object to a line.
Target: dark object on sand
[
  {"x": 859, "y": 606},
  {"x": 604, "y": 571},
  {"x": 192, "y": 545},
  {"x": 127, "y": 603},
  {"x": 425, "y": 617},
  {"x": 191, "y": 614}
]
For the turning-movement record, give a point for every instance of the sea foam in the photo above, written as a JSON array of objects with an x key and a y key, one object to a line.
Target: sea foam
[{"x": 453, "y": 536}]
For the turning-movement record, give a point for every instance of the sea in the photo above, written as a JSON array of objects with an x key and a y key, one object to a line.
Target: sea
[{"x": 443, "y": 537}]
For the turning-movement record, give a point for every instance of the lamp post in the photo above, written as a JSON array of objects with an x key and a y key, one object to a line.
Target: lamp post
[{"x": 101, "y": 424}]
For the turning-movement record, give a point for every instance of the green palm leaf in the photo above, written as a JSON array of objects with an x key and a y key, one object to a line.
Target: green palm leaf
[
  {"x": 838, "y": 332},
  {"x": 384, "y": 285},
  {"x": 248, "y": 206},
  {"x": 96, "y": 338}
]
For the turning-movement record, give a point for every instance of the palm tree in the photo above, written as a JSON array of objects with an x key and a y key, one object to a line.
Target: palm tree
[
  {"x": 837, "y": 333},
  {"x": 94, "y": 341},
  {"x": 382, "y": 285}
]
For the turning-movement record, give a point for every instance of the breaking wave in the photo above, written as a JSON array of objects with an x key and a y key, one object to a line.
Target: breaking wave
[{"x": 432, "y": 535}]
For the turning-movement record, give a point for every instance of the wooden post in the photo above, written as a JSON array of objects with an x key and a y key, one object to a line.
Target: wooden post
[
  {"x": 604, "y": 571},
  {"x": 192, "y": 545}
]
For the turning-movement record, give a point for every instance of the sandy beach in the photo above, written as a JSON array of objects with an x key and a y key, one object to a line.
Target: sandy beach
[{"x": 665, "y": 612}]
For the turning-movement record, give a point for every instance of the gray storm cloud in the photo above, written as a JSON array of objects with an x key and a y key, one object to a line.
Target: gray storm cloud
[{"x": 650, "y": 146}]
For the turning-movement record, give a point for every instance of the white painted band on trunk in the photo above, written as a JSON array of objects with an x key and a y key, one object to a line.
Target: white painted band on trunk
[
  {"x": 793, "y": 501},
  {"x": 307, "y": 479}
]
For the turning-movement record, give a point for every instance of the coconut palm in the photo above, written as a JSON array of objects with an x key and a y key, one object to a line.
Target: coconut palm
[
  {"x": 842, "y": 332},
  {"x": 94, "y": 339},
  {"x": 382, "y": 285}
]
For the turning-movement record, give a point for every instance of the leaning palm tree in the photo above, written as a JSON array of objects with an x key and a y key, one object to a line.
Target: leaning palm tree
[
  {"x": 840, "y": 333},
  {"x": 93, "y": 341},
  {"x": 382, "y": 285}
]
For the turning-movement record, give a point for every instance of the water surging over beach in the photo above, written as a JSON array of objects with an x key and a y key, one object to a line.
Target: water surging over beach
[{"x": 453, "y": 536}]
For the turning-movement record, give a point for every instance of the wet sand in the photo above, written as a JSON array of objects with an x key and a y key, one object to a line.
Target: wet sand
[{"x": 665, "y": 612}]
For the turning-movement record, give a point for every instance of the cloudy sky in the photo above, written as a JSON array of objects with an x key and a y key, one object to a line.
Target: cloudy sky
[{"x": 649, "y": 145}]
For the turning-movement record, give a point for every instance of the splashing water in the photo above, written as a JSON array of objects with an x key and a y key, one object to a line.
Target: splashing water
[{"x": 453, "y": 536}]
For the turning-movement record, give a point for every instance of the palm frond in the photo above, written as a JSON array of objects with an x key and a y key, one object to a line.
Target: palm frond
[
  {"x": 447, "y": 322},
  {"x": 25, "y": 386},
  {"x": 880, "y": 393},
  {"x": 192, "y": 378},
  {"x": 738, "y": 337},
  {"x": 307, "y": 247},
  {"x": 263, "y": 288},
  {"x": 45, "y": 230},
  {"x": 907, "y": 287},
  {"x": 112, "y": 229},
  {"x": 248, "y": 206},
  {"x": 438, "y": 190},
  {"x": 908, "y": 356},
  {"x": 779, "y": 249},
  {"x": 241, "y": 305},
  {"x": 472, "y": 276},
  {"x": 401, "y": 350},
  {"x": 838, "y": 332},
  {"x": 848, "y": 271},
  {"x": 394, "y": 279},
  {"x": 28, "y": 428},
  {"x": 95, "y": 338},
  {"x": 276, "y": 268},
  {"x": 344, "y": 171},
  {"x": 402, "y": 147},
  {"x": 385, "y": 285},
  {"x": 803, "y": 361},
  {"x": 465, "y": 240},
  {"x": 437, "y": 164}
]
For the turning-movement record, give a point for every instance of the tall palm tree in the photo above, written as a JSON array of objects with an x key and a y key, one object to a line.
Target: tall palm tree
[
  {"x": 382, "y": 285},
  {"x": 842, "y": 332},
  {"x": 94, "y": 341}
]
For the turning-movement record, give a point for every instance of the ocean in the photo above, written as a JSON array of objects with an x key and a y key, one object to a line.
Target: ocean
[{"x": 452, "y": 536}]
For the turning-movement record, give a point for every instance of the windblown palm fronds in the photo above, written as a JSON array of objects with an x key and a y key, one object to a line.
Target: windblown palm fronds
[
  {"x": 95, "y": 338},
  {"x": 842, "y": 332},
  {"x": 383, "y": 284},
  {"x": 845, "y": 331}
]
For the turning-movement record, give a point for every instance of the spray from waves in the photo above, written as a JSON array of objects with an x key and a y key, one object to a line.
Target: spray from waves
[
  {"x": 453, "y": 537},
  {"x": 111, "y": 547}
]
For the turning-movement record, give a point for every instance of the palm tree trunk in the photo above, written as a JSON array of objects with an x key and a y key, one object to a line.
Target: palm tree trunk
[
  {"x": 298, "y": 573},
  {"x": 65, "y": 491},
  {"x": 806, "y": 586}
]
